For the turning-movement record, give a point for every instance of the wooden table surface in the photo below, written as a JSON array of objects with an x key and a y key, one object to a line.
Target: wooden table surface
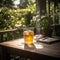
[{"x": 35, "y": 51}]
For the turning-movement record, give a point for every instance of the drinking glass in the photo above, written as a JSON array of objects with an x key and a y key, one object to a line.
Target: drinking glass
[{"x": 28, "y": 36}]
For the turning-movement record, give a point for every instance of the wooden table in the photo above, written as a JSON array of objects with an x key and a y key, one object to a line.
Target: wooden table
[{"x": 35, "y": 51}]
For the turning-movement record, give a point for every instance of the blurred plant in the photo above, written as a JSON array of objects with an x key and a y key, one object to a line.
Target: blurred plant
[
  {"x": 46, "y": 26},
  {"x": 46, "y": 23},
  {"x": 32, "y": 6},
  {"x": 8, "y": 18},
  {"x": 33, "y": 22},
  {"x": 12, "y": 18},
  {"x": 4, "y": 18}
]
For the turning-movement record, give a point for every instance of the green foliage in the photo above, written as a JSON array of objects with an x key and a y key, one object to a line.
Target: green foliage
[
  {"x": 46, "y": 23},
  {"x": 13, "y": 18},
  {"x": 32, "y": 6},
  {"x": 8, "y": 18},
  {"x": 33, "y": 22},
  {"x": 4, "y": 18}
]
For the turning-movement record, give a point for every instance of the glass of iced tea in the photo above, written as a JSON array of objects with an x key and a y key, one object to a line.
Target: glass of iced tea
[{"x": 28, "y": 36}]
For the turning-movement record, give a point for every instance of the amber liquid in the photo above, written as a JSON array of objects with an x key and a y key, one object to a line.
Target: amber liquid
[{"x": 28, "y": 36}]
